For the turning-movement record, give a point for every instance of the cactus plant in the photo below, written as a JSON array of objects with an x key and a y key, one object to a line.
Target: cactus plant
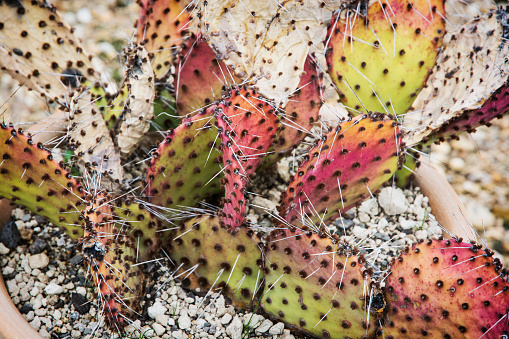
[{"x": 229, "y": 131}]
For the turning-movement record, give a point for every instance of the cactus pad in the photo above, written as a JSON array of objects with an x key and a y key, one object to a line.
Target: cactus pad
[
  {"x": 40, "y": 50},
  {"x": 225, "y": 261},
  {"x": 200, "y": 78},
  {"x": 347, "y": 164},
  {"x": 185, "y": 166},
  {"x": 252, "y": 37},
  {"x": 92, "y": 143},
  {"x": 447, "y": 289},
  {"x": 248, "y": 125},
  {"x": 468, "y": 85},
  {"x": 135, "y": 123},
  {"x": 316, "y": 284},
  {"x": 390, "y": 55},
  {"x": 111, "y": 252},
  {"x": 30, "y": 177},
  {"x": 162, "y": 28}
]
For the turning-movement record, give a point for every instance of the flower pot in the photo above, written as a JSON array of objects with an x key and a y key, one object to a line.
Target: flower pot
[{"x": 444, "y": 202}]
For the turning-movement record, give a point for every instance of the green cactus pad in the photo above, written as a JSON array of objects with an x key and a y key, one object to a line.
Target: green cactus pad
[
  {"x": 185, "y": 167},
  {"x": 316, "y": 284},
  {"x": 200, "y": 78},
  {"x": 164, "y": 111},
  {"x": 348, "y": 163},
  {"x": 40, "y": 50},
  {"x": 446, "y": 289},
  {"x": 248, "y": 125},
  {"x": 390, "y": 56},
  {"x": 162, "y": 28},
  {"x": 139, "y": 221},
  {"x": 30, "y": 177},
  {"x": 227, "y": 262}
]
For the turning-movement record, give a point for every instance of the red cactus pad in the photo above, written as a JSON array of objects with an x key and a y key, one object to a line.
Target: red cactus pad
[
  {"x": 389, "y": 53},
  {"x": 301, "y": 111},
  {"x": 185, "y": 166},
  {"x": 247, "y": 127},
  {"x": 317, "y": 284},
  {"x": 162, "y": 28},
  {"x": 495, "y": 107},
  {"x": 111, "y": 253},
  {"x": 199, "y": 77},
  {"x": 226, "y": 261},
  {"x": 447, "y": 289},
  {"x": 347, "y": 164},
  {"x": 30, "y": 177}
]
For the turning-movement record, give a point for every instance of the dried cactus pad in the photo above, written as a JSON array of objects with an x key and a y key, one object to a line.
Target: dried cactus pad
[
  {"x": 200, "y": 78},
  {"x": 30, "y": 177},
  {"x": 40, "y": 50},
  {"x": 351, "y": 161},
  {"x": 265, "y": 41},
  {"x": 247, "y": 126},
  {"x": 162, "y": 28},
  {"x": 213, "y": 258},
  {"x": 380, "y": 63},
  {"x": 111, "y": 253},
  {"x": 468, "y": 85},
  {"x": 316, "y": 284},
  {"x": 185, "y": 166},
  {"x": 447, "y": 289}
]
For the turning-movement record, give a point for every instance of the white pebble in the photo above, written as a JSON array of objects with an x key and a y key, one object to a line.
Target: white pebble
[
  {"x": 155, "y": 309},
  {"x": 158, "y": 328},
  {"x": 53, "y": 288},
  {"x": 235, "y": 328},
  {"x": 277, "y": 329},
  {"x": 392, "y": 200},
  {"x": 184, "y": 321},
  {"x": 264, "y": 326},
  {"x": 226, "y": 319},
  {"x": 40, "y": 260}
]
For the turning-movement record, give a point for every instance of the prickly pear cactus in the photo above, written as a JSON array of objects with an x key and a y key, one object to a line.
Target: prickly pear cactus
[
  {"x": 381, "y": 61},
  {"x": 40, "y": 50},
  {"x": 30, "y": 177},
  {"x": 468, "y": 85},
  {"x": 185, "y": 167},
  {"x": 349, "y": 163},
  {"x": 446, "y": 289},
  {"x": 256, "y": 49},
  {"x": 200, "y": 78},
  {"x": 213, "y": 258},
  {"x": 247, "y": 125},
  {"x": 111, "y": 253},
  {"x": 163, "y": 27},
  {"x": 317, "y": 284}
]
